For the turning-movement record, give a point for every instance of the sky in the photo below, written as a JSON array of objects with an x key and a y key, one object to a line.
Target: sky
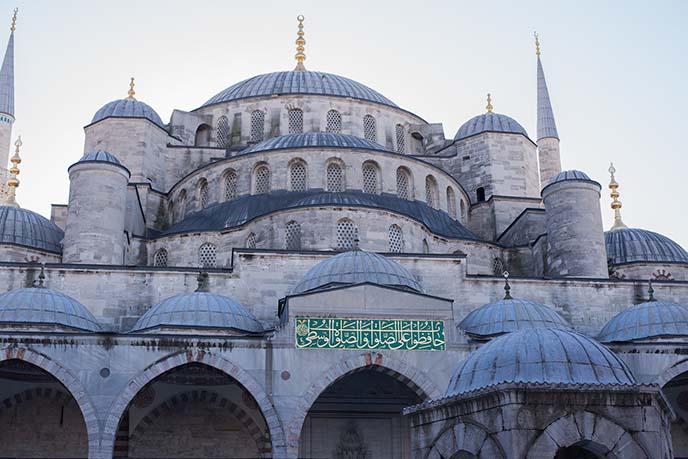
[{"x": 615, "y": 70}]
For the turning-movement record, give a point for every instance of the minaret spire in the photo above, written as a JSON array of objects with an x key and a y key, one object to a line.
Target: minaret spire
[
  {"x": 7, "y": 108},
  {"x": 547, "y": 135},
  {"x": 616, "y": 204},
  {"x": 300, "y": 45}
]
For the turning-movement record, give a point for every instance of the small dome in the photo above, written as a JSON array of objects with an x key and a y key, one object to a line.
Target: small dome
[
  {"x": 540, "y": 356},
  {"x": 315, "y": 140},
  {"x": 628, "y": 245},
  {"x": 489, "y": 122},
  {"x": 569, "y": 175},
  {"x": 198, "y": 310},
  {"x": 29, "y": 229},
  {"x": 127, "y": 108},
  {"x": 44, "y": 306},
  {"x": 299, "y": 82},
  {"x": 653, "y": 319},
  {"x": 356, "y": 267},
  {"x": 101, "y": 156},
  {"x": 510, "y": 315}
]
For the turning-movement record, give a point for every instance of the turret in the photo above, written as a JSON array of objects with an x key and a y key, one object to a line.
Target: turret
[
  {"x": 575, "y": 237},
  {"x": 547, "y": 135},
  {"x": 94, "y": 231}
]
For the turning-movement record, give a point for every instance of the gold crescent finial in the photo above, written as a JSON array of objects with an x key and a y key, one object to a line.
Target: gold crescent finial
[
  {"x": 131, "y": 91},
  {"x": 489, "y": 103},
  {"x": 14, "y": 20},
  {"x": 537, "y": 44},
  {"x": 616, "y": 204},
  {"x": 13, "y": 181},
  {"x": 300, "y": 45}
]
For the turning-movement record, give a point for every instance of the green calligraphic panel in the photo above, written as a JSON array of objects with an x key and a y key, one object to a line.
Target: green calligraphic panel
[{"x": 374, "y": 334}]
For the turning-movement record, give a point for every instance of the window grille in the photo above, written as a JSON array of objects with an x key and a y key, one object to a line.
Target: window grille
[
  {"x": 403, "y": 184},
  {"x": 251, "y": 241},
  {"x": 334, "y": 122},
  {"x": 335, "y": 178},
  {"x": 262, "y": 180},
  {"x": 207, "y": 256},
  {"x": 295, "y": 121},
  {"x": 257, "y": 126},
  {"x": 370, "y": 128},
  {"x": 223, "y": 132},
  {"x": 160, "y": 258},
  {"x": 230, "y": 186},
  {"x": 204, "y": 195},
  {"x": 401, "y": 139},
  {"x": 347, "y": 235},
  {"x": 297, "y": 173},
  {"x": 396, "y": 239},
  {"x": 370, "y": 181},
  {"x": 451, "y": 202},
  {"x": 293, "y": 236},
  {"x": 498, "y": 267},
  {"x": 430, "y": 191}
]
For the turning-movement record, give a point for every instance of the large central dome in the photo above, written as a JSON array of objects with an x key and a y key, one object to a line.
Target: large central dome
[{"x": 299, "y": 82}]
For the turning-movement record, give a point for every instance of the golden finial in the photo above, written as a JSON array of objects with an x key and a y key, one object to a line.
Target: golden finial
[
  {"x": 14, "y": 20},
  {"x": 131, "y": 91},
  {"x": 537, "y": 44},
  {"x": 616, "y": 204},
  {"x": 13, "y": 181},
  {"x": 489, "y": 103},
  {"x": 300, "y": 45}
]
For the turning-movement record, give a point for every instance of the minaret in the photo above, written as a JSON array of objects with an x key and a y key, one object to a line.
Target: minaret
[
  {"x": 616, "y": 204},
  {"x": 7, "y": 96},
  {"x": 300, "y": 43},
  {"x": 13, "y": 181},
  {"x": 547, "y": 135}
]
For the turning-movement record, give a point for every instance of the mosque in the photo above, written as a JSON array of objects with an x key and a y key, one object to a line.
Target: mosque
[{"x": 300, "y": 268}]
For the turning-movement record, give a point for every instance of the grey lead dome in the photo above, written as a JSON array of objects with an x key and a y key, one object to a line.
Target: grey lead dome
[
  {"x": 628, "y": 245},
  {"x": 489, "y": 122},
  {"x": 29, "y": 229},
  {"x": 100, "y": 156},
  {"x": 652, "y": 319},
  {"x": 127, "y": 108},
  {"x": 315, "y": 140}
]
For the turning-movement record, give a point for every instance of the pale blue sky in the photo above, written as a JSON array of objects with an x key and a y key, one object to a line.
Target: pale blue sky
[{"x": 616, "y": 74}]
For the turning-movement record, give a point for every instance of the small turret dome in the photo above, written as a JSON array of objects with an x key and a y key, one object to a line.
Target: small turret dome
[
  {"x": 100, "y": 156},
  {"x": 128, "y": 107},
  {"x": 489, "y": 122},
  {"x": 540, "y": 356},
  {"x": 28, "y": 229},
  {"x": 570, "y": 175},
  {"x": 356, "y": 267},
  {"x": 39, "y": 306},
  {"x": 628, "y": 245}
]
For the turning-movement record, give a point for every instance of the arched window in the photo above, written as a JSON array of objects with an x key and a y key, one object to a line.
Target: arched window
[
  {"x": 202, "y": 138},
  {"x": 370, "y": 128},
  {"x": 297, "y": 176},
  {"x": 160, "y": 258},
  {"x": 426, "y": 247},
  {"x": 295, "y": 121},
  {"x": 347, "y": 234},
  {"x": 181, "y": 205},
  {"x": 262, "y": 180},
  {"x": 396, "y": 239},
  {"x": 451, "y": 202},
  {"x": 335, "y": 178},
  {"x": 251, "y": 241},
  {"x": 222, "y": 132},
  {"x": 170, "y": 212},
  {"x": 207, "y": 255},
  {"x": 371, "y": 181},
  {"x": 334, "y": 122},
  {"x": 257, "y": 126},
  {"x": 463, "y": 210},
  {"x": 431, "y": 191},
  {"x": 203, "y": 194},
  {"x": 403, "y": 183},
  {"x": 480, "y": 194},
  {"x": 230, "y": 184},
  {"x": 401, "y": 138},
  {"x": 293, "y": 236}
]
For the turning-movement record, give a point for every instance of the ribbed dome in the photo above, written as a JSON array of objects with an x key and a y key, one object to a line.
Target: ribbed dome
[
  {"x": 127, "y": 108},
  {"x": 653, "y": 319},
  {"x": 29, "y": 229},
  {"x": 628, "y": 245},
  {"x": 100, "y": 156},
  {"x": 198, "y": 310},
  {"x": 540, "y": 356},
  {"x": 569, "y": 175},
  {"x": 46, "y": 307},
  {"x": 299, "y": 82},
  {"x": 489, "y": 122},
  {"x": 510, "y": 315},
  {"x": 355, "y": 267},
  {"x": 315, "y": 140}
]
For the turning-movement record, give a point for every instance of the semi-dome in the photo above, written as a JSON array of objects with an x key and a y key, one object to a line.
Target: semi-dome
[
  {"x": 629, "y": 245},
  {"x": 540, "y": 356},
  {"x": 652, "y": 319},
  {"x": 39, "y": 306},
  {"x": 511, "y": 315},
  {"x": 299, "y": 82},
  {"x": 100, "y": 156},
  {"x": 28, "y": 229},
  {"x": 315, "y": 140},
  {"x": 489, "y": 122},
  {"x": 356, "y": 267},
  {"x": 127, "y": 108},
  {"x": 198, "y": 310}
]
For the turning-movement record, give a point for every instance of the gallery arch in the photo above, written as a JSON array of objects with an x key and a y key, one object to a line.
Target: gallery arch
[{"x": 676, "y": 392}]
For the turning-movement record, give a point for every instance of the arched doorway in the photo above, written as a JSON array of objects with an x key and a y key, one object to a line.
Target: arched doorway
[
  {"x": 191, "y": 411},
  {"x": 359, "y": 416},
  {"x": 676, "y": 392},
  {"x": 39, "y": 418},
  {"x": 582, "y": 450}
]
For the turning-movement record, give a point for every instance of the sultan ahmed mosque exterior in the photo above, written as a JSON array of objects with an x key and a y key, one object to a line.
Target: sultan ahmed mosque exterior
[{"x": 300, "y": 268}]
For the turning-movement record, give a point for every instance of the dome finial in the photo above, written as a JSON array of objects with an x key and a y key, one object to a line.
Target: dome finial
[
  {"x": 507, "y": 287},
  {"x": 202, "y": 280},
  {"x": 131, "y": 91},
  {"x": 13, "y": 181},
  {"x": 616, "y": 204},
  {"x": 489, "y": 103},
  {"x": 300, "y": 45},
  {"x": 14, "y": 20},
  {"x": 537, "y": 44}
]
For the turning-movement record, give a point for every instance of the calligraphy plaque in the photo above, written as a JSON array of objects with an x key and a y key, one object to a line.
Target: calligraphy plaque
[{"x": 374, "y": 334}]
